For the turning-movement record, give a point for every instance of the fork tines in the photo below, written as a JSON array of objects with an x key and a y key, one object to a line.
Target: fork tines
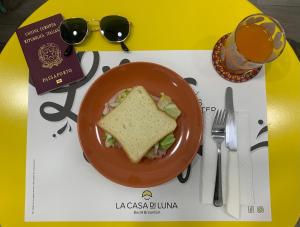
[{"x": 220, "y": 119}]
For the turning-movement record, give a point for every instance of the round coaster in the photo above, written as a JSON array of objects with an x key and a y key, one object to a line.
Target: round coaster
[{"x": 221, "y": 70}]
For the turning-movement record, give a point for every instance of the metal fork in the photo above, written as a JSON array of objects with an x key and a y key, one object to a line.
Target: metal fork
[{"x": 218, "y": 135}]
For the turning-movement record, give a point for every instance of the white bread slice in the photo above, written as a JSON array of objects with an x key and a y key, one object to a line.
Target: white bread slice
[{"x": 137, "y": 123}]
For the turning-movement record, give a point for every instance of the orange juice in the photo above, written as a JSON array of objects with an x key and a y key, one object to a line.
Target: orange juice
[{"x": 254, "y": 42}]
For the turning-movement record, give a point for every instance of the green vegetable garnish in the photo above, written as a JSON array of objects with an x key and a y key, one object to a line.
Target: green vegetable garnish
[
  {"x": 163, "y": 101},
  {"x": 167, "y": 141},
  {"x": 110, "y": 141},
  {"x": 172, "y": 110},
  {"x": 165, "y": 104}
]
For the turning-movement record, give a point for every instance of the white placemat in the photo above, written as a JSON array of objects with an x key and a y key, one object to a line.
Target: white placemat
[{"x": 62, "y": 186}]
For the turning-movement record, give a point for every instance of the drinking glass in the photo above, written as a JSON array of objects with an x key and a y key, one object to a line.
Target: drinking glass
[{"x": 258, "y": 39}]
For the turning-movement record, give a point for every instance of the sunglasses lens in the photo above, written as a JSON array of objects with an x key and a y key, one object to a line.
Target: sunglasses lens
[
  {"x": 114, "y": 28},
  {"x": 73, "y": 30}
]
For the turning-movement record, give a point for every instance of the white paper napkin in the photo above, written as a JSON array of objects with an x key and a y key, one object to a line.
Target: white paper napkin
[{"x": 210, "y": 161}]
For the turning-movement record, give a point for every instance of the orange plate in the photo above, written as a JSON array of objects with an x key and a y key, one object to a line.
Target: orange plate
[{"x": 113, "y": 163}]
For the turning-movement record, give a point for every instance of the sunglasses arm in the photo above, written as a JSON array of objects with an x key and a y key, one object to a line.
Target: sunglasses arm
[{"x": 124, "y": 47}]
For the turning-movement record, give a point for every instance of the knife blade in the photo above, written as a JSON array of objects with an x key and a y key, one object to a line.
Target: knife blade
[
  {"x": 233, "y": 186},
  {"x": 231, "y": 132}
]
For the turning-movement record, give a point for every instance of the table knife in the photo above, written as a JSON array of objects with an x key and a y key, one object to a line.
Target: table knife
[{"x": 233, "y": 186}]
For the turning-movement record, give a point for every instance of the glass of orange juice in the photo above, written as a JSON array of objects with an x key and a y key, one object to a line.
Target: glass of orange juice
[{"x": 258, "y": 39}]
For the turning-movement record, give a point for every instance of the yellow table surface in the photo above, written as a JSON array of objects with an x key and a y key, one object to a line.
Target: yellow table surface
[{"x": 157, "y": 25}]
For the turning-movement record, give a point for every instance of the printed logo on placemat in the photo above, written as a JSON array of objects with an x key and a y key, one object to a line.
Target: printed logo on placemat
[
  {"x": 147, "y": 195},
  {"x": 145, "y": 206}
]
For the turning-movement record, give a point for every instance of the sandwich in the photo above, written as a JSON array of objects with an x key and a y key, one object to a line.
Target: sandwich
[{"x": 138, "y": 124}]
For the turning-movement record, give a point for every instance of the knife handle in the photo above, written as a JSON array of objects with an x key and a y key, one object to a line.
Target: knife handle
[
  {"x": 218, "y": 198},
  {"x": 233, "y": 192}
]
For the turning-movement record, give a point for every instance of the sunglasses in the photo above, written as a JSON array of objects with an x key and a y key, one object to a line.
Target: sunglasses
[{"x": 114, "y": 28}]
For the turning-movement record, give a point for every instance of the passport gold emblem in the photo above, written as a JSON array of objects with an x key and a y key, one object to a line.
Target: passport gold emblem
[{"x": 50, "y": 55}]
